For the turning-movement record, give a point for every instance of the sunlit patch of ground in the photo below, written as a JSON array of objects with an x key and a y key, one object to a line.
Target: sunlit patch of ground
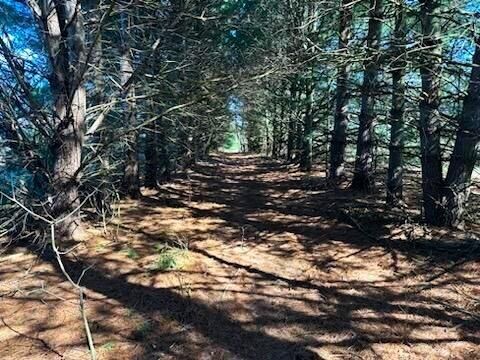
[{"x": 245, "y": 258}]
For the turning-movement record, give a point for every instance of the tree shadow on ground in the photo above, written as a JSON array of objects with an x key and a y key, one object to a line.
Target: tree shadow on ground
[
  {"x": 243, "y": 340},
  {"x": 212, "y": 323},
  {"x": 285, "y": 316}
]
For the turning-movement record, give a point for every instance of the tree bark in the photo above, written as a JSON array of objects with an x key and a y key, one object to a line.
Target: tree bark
[
  {"x": 363, "y": 178},
  {"x": 131, "y": 176},
  {"x": 298, "y": 139},
  {"x": 306, "y": 161},
  {"x": 276, "y": 133},
  {"x": 397, "y": 119},
  {"x": 307, "y": 137},
  {"x": 165, "y": 168},
  {"x": 339, "y": 135},
  {"x": 63, "y": 27},
  {"x": 431, "y": 156},
  {"x": 151, "y": 156},
  {"x": 98, "y": 96},
  {"x": 291, "y": 127},
  {"x": 67, "y": 154},
  {"x": 465, "y": 152}
]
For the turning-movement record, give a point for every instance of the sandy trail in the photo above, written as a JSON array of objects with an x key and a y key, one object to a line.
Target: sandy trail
[{"x": 274, "y": 270}]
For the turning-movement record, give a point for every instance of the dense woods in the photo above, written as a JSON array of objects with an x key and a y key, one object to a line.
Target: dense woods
[
  {"x": 106, "y": 102},
  {"x": 97, "y": 92}
]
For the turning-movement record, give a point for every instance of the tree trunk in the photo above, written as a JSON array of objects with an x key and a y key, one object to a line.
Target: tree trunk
[
  {"x": 395, "y": 164},
  {"x": 198, "y": 138},
  {"x": 283, "y": 129},
  {"x": 98, "y": 96},
  {"x": 131, "y": 176},
  {"x": 290, "y": 138},
  {"x": 276, "y": 133},
  {"x": 339, "y": 136},
  {"x": 186, "y": 151},
  {"x": 363, "y": 178},
  {"x": 63, "y": 28},
  {"x": 429, "y": 118},
  {"x": 67, "y": 154},
  {"x": 298, "y": 139},
  {"x": 465, "y": 152},
  {"x": 151, "y": 156},
  {"x": 306, "y": 161},
  {"x": 307, "y": 138},
  {"x": 165, "y": 168},
  {"x": 291, "y": 126}
]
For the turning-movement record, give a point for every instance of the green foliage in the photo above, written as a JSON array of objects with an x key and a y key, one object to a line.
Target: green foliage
[
  {"x": 169, "y": 258},
  {"x": 108, "y": 346},
  {"x": 131, "y": 312},
  {"x": 132, "y": 253},
  {"x": 232, "y": 143},
  {"x": 254, "y": 133},
  {"x": 143, "y": 330},
  {"x": 166, "y": 261}
]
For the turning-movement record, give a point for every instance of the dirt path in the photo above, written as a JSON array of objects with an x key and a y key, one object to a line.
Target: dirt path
[{"x": 275, "y": 269}]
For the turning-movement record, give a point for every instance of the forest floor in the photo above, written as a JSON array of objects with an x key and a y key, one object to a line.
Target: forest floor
[{"x": 246, "y": 258}]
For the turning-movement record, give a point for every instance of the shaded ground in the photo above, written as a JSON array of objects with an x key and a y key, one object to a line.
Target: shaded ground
[{"x": 278, "y": 267}]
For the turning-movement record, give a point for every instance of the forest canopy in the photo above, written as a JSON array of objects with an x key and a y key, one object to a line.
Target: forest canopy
[{"x": 103, "y": 96}]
